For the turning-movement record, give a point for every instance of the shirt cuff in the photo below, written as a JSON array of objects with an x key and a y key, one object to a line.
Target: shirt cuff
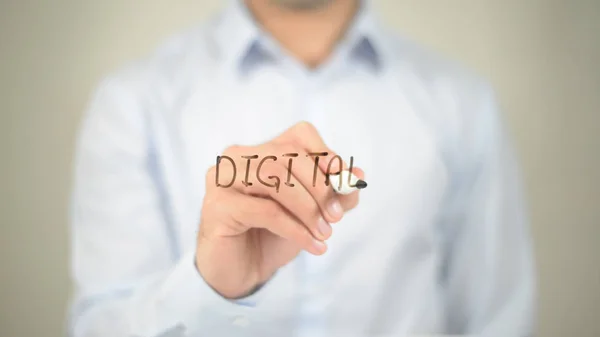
[{"x": 186, "y": 299}]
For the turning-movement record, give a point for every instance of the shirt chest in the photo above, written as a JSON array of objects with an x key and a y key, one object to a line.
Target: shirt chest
[{"x": 367, "y": 120}]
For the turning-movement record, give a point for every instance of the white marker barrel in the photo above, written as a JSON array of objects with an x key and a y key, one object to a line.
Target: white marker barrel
[{"x": 346, "y": 188}]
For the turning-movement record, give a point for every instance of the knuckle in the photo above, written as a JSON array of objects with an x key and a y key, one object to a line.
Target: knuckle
[
  {"x": 290, "y": 147},
  {"x": 271, "y": 210},
  {"x": 269, "y": 170},
  {"x": 312, "y": 215},
  {"x": 212, "y": 208},
  {"x": 305, "y": 126},
  {"x": 210, "y": 174},
  {"x": 323, "y": 193},
  {"x": 300, "y": 234},
  {"x": 232, "y": 149},
  {"x": 304, "y": 237}
]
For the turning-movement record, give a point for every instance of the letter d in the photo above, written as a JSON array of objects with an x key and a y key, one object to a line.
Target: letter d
[{"x": 217, "y": 175}]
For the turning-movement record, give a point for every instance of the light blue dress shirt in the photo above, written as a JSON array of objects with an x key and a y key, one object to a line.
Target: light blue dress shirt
[{"x": 439, "y": 243}]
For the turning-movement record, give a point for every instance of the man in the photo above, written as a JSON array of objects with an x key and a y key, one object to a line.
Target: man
[{"x": 438, "y": 243}]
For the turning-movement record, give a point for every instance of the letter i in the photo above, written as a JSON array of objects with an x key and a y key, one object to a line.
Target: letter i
[{"x": 289, "y": 173}]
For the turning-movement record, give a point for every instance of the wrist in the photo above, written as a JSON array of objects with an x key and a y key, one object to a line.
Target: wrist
[{"x": 226, "y": 279}]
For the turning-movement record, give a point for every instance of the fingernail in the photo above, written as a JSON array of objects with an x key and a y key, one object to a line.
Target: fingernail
[
  {"x": 319, "y": 246},
  {"x": 324, "y": 229},
  {"x": 335, "y": 209}
]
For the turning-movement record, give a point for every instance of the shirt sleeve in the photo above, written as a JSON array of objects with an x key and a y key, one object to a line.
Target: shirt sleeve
[
  {"x": 129, "y": 277},
  {"x": 489, "y": 270}
]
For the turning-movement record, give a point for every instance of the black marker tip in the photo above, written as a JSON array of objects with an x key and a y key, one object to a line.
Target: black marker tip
[{"x": 360, "y": 184}]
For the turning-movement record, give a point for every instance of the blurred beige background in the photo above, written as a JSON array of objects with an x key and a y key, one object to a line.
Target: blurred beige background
[{"x": 542, "y": 55}]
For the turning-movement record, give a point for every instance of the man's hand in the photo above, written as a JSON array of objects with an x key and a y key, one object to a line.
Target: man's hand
[{"x": 248, "y": 232}]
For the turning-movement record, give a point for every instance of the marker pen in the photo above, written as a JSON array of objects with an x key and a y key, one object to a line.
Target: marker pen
[{"x": 334, "y": 180}]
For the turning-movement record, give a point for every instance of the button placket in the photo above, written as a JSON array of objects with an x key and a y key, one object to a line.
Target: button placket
[{"x": 241, "y": 321}]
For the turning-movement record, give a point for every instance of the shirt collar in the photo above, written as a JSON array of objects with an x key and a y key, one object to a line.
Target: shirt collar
[
  {"x": 242, "y": 42},
  {"x": 364, "y": 37}
]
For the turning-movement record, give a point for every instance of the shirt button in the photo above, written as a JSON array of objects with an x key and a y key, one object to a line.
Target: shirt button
[{"x": 241, "y": 321}]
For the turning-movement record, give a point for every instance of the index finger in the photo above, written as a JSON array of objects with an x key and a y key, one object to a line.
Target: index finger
[{"x": 306, "y": 136}]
